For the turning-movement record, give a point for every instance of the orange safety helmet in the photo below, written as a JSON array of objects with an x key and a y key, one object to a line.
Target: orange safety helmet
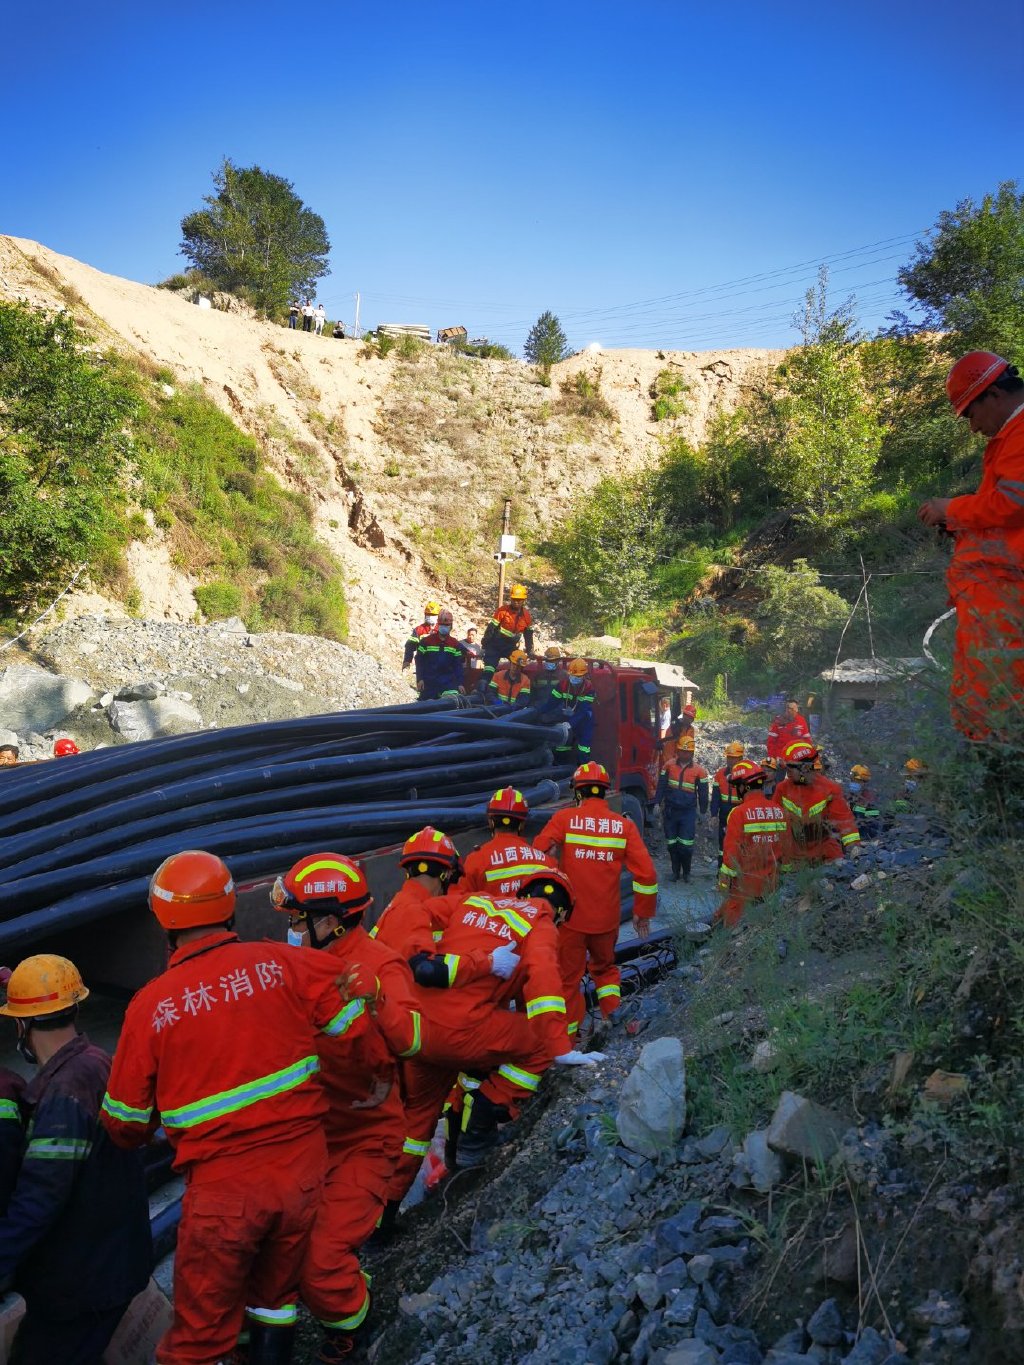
[
  {"x": 747, "y": 772},
  {"x": 508, "y": 807},
  {"x": 576, "y": 668},
  {"x": 688, "y": 743},
  {"x": 64, "y": 748},
  {"x": 192, "y": 889},
  {"x": 552, "y": 653},
  {"x": 860, "y": 772},
  {"x": 799, "y": 752},
  {"x": 518, "y": 592},
  {"x": 914, "y": 765},
  {"x": 519, "y": 657},
  {"x": 427, "y": 846},
  {"x": 591, "y": 775},
  {"x": 735, "y": 749},
  {"x": 971, "y": 376},
  {"x": 551, "y": 885},
  {"x": 323, "y": 884},
  {"x": 42, "y": 985}
]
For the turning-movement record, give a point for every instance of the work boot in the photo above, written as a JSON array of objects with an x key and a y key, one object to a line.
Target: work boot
[
  {"x": 673, "y": 853},
  {"x": 386, "y": 1229},
  {"x": 686, "y": 858},
  {"x": 270, "y": 1343},
  {"x": 480, "y": 1135},
  {"x": 453, "y": 1130}
]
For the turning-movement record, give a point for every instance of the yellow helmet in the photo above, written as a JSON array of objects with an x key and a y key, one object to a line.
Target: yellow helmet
[
  {"x": 518, "y": 592},
  {"x": 41, "y": 985},
  {"x": 687, "y": 743},
  {"x": 860, "y": 773},
  {"x": 914, "y": 765},
  {"x": 577, "y": 668},
  {"x": 735, "y": 749},
  {"x": 552, "y": 653},
  {"x": 519, "y": 657},
  {"x": 432, "y": 608}
]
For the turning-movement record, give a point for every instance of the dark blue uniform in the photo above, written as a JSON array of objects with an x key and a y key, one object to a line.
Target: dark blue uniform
[
  {"x": 682, "y": 790},
  {"x": 572, "y": 700},
  {"x": 440, "y": 665}
]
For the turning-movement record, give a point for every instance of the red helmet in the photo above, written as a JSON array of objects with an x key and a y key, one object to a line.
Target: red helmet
[
  {"x": 324, "y": 884},
  {"x": 426, "y": 846},
  {"x": 64, "y": 748},
  {"x": 551, "y": 885},
  {"x": 971, "y": 376},
  {"x": 192, "y": 889},
  {"x": 747, "y": 772},
  {"x": 799, "y": 752},
  {"x": 508, "y": 806},
  {"x": 689, "y": 710},
  {"x": 591, "y": 775}
]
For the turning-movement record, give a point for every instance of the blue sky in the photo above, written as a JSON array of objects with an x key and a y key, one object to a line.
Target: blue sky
[{"x": 638, "y": 168}]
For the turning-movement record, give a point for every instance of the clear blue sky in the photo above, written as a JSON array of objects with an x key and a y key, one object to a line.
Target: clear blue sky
[{"x": 477, "y": 163}]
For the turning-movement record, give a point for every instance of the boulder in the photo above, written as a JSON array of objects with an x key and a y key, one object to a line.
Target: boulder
[
  {"x": 691, "y": 1353},
  {"x": 825, "y": 1326},
  {"x": 137, "y": 720},
  {"x": 801, "y": 1128},
  {"x": 142, "y": 691},
  {"x": 32, "y": 699},
  {"x": 652, "y": 1105},
  {"x": 756, "y": 1164}
]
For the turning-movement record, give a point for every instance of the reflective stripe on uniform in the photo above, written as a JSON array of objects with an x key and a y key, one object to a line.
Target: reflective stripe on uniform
[
  {"x": 500, "y": 874},
  {"x": 525, "y": 1079},
  {"x": 640, "y": 889},
  {"x": 353, "y": 1320},
  {"x": 58, "y": 1149},
  {"x": 241, "y": 1096},
  {"x": 9, "y": 1110},
  {"x": 417, "y": 1035},
  {"x": 468, "y": 1082},
  {"x": 765, "y": 827},
  {"x": 124, "y": 1113},
  {"x": 603, "y": 992},
  {"x": 726, "y": 871},
  {"x": 503, "y": 912},
  {"x": 852, "y": 838},
  {"x": 274, "y": 1317},
  {"x": 595, "y": 840},
  {"x": 414, "y": 1147},
  {"x": 344, "y": 1019},
  {"x": 451, "y": 961},
  {"x": 545, "y": 1004}
]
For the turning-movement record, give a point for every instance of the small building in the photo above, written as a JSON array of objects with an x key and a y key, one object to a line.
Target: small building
[
  {"x": 452, "y": 335},
  {"x": 862, "y": 682},
  {"x": 404, "y": 329}
]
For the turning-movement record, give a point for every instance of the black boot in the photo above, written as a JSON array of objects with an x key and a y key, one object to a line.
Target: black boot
[
  {"x": 270, "y": 1343},
  {"x": 479, "y": 1134},
  {"x": 686, "y": 858},
  {"x": 673, "y": 853},
  {"x": 453, "y": 1127}
]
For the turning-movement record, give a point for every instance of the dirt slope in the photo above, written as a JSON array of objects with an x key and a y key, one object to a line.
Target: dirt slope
[{"x": 408, "y": 461}]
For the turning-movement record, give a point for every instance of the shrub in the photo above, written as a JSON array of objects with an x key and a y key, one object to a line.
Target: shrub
[
  {"x": 667, "y": 392},
  {"x": 409, "y": 347},
  {"x": 581, "y": 395},
  {"x": 219, "y": 599}
]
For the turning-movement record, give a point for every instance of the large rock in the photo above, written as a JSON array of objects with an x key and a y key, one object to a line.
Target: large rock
[
  {"x": 32, "y": 699},
  {"x": 691, "y": 1353},
  {"x": 801, "y": 1128},
  {"x": 151, "y": 719},
  {"x": 756, "y": 1164},
  {"x": 652, "y": 1105}
]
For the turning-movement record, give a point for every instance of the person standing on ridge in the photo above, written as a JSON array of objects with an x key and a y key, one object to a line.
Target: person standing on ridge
[
  {"x": 986, "y": 574},
  {"x": 510, "y": 624}
]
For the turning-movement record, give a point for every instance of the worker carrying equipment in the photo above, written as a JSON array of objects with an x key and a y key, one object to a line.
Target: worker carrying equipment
[
  {"x": 593, "y": 844},
  {"x": 326, "y": 896},
  {"x": 756, "y": 844},
  {"x": 986, "y": 573},
  {"x": 682, "y": 791},
  {"x": 441, "y": 661},
  {"x": 74, "y": 1232},
  {"x": 511, "y": 623},
  {"x": 500, "y": 866},
  {"x": 571, "y": 700},
  {"x": 724, "y": 796},
  {"x": 222, "y": 1051},
  {"x": 815, "y": 807},
  {"x": 426, "y": 627},
  {"x": 510, "y": 686}
]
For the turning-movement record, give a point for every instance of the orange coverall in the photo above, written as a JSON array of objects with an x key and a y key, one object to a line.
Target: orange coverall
[
  {"x": 756, "y": 847},
  {"x": 222, "y": 1050},
  {"x": 471, "y": 1028},
  {"x": 814, "y": 810},
  {"x": 501, "y": 865},
  {"x": 365, "y": 1128},
  {"x": 594, "y": 845},
  {"x": 986, "y": 585}
]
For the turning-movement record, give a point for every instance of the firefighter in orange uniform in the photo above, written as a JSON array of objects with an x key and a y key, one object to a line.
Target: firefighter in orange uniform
[
  {"x": 511, "y": 623},
  {"x": 986, "y": 575},
  {"x": 594, "y": 843},
  {"x": 816, "y": 809},
  {"x": 325, "y": 896},
  {"x": 499, "y": 866},
  {"x": 420, "y": 907},
  {"x": 221, "y": 1050},
  {"x": 510, "y": 686},
  {"x": 756, "y": 844},
  {"x": 724, "y": 796}
]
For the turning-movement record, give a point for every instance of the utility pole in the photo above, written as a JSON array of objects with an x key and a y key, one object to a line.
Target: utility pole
[
  {"x": 357, "y": 315},
  {"x": 506, "y": 548}
]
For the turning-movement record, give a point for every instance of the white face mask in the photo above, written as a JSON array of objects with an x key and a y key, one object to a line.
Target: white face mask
[
  {"x": 431, "y": 620},
  {"x": 294, "y": 938}
]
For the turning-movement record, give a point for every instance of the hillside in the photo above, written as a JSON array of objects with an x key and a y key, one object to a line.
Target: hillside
[{"x": 407, "y": 461}]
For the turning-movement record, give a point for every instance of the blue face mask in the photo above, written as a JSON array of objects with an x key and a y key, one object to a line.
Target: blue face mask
[
  {"x": 910, "y": 786},
  {"x": 855, "y": 788},
  {"x": 575, "y": 682},
  {"x": 549, "y": 667},
  {"x": 444, "y": 630},
  {"x": 294, "y": 938}
]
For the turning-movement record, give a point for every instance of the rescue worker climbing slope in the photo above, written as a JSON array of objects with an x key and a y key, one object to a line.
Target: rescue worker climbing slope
[
  {"x": 509, "y": 625},
  {"x": 756, "y": 844},
  {"x": 510, "y": 686},
  {"x": 571, "y": 699},
  {"x": 986, "y": 575},
  {"x": 724, "y": 796},
  {"x": 441, "y": 661},
  {"x": 499, "y": 866},
  {"x": 593, "y": 844},
  {"x": 74, "y": 1236},
  {"x": 426, "y": 627},
  {"x": 682, "y": 791},
  {"x": 863, "y": 802},
  {"x": 221, "y": 1050},
  {"x": 325, "y": 896},
  {"x": 821, "y": 824}
]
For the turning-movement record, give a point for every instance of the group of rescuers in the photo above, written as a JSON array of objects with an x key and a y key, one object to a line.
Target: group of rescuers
[{"x": 300, "y": 1085}]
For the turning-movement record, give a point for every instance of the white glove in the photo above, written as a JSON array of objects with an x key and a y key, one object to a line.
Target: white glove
[
  {"x": 504, "y": 961},
  {"x": 579, "y": 1059}
]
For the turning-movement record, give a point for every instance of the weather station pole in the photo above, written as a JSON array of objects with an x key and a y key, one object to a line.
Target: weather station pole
[{"x": 506, "y": 548}]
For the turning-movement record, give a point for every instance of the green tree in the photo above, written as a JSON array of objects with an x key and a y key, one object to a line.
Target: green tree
[
  {"x": 546, "y": 345},
  {"x": 608, "y": 550},
  {"x": 798, "y": 619},
  {"x": 257, "y": 238},
  {"x": 968, "y": 275},
  {"x": 63, "y": 446}
]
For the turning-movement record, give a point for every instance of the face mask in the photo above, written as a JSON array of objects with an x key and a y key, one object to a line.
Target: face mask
[
  {"x": 294, "y": 938},
  {"x": 549, "y": 667},
  {"x": 25, "y": 1051},
  {"x": 444, "y": 630},
  {"x": 910, "y": 786},
  {"x": 431, "y": 620},
  {"x": 855, "y": 788},
  {"x": 575, "y": 682}
]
